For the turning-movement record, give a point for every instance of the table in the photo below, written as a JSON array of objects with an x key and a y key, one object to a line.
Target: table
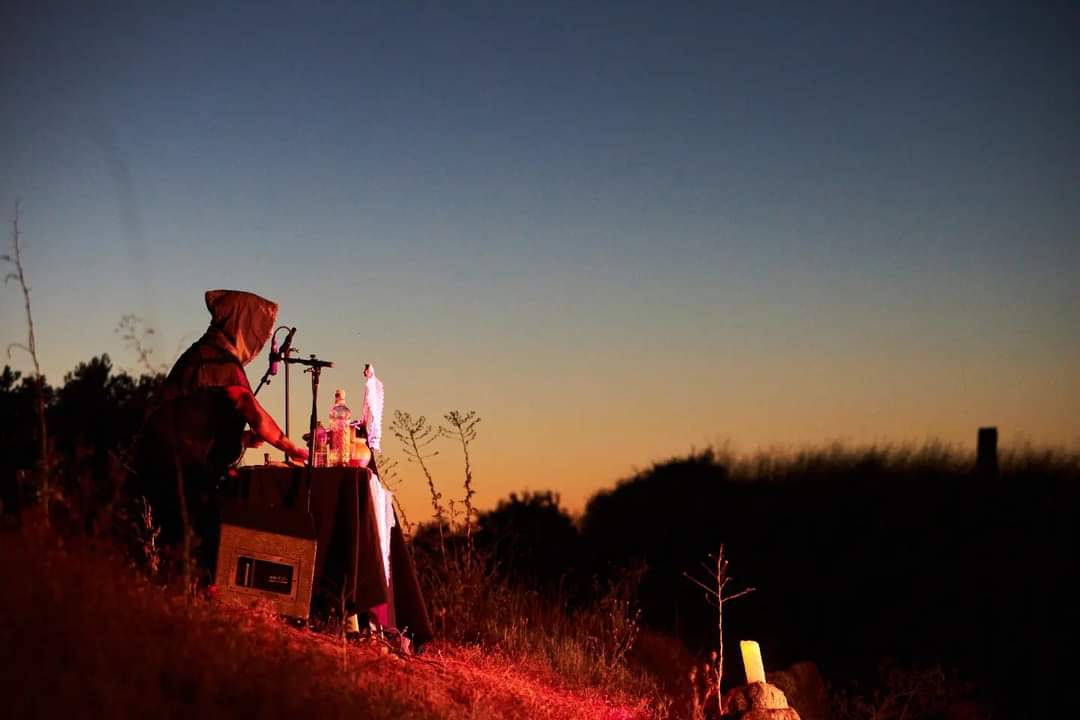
[{"x": 349, "y": 556}]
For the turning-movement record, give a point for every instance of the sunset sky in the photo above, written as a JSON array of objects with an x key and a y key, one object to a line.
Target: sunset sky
[{"x": 618, "y": 231}]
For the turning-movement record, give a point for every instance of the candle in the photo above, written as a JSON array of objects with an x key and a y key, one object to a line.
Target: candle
[{"x": 751, "y": 660}]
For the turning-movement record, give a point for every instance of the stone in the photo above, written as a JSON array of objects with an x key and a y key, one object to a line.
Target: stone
[
  {"x": 805, "y": 689},
  {"x": 781, "y": 714},
  {"x": 755, "y": 696},
  {"x": 763, "y": 714}
]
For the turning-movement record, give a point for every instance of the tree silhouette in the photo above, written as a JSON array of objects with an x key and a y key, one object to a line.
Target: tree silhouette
[
  {"x": 93, "y": 419},
  {"x": 532, "y": 540}
]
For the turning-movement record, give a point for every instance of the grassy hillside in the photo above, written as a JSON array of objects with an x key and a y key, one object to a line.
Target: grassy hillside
[{"x": 85, "y": 636}]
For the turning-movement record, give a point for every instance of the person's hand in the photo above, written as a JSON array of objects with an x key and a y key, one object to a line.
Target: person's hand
[{"x": 296, "y": 452}]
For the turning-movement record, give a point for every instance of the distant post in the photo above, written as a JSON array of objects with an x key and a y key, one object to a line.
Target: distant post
[{"x": 986, "y": 461}]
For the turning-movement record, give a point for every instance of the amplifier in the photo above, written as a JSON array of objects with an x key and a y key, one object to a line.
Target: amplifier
[{"x": 267, "y": 555}]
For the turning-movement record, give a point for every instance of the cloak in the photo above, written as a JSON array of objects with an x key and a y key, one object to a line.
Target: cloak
[{"x": 197, "y": 429}]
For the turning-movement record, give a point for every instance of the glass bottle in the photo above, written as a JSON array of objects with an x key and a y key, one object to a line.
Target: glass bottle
[
  {"x": 339, "y": 441},
  {"x": 320, "y": 444}
]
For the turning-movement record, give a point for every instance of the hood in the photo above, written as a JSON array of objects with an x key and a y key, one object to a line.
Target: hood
[{"x": 244, "y": 320}]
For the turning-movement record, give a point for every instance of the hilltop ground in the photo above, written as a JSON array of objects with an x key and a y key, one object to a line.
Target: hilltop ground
[{"x": 84, "y": 635}]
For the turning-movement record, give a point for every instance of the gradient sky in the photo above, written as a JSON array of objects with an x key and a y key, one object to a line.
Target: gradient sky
[{"x": 616, "y": 230}]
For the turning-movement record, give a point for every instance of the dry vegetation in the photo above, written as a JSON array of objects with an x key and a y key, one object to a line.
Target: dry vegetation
[
  {"x": 96, "y": 633},
  {"x": 85, "y": 634},
  {"x": 473, "y": 604}
]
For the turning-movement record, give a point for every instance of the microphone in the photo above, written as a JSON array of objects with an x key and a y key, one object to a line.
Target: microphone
[
  {"x": 277, "y": 355},
  {"x": 286, "y": 347},
  {"x": 274, "y": 357}
]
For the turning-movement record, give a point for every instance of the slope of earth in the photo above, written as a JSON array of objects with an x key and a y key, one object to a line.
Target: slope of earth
[{"x": 82, "y": 635}]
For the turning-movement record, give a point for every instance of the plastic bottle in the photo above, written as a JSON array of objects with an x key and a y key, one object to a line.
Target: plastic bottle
[
  {"x": 340, "y": 415},
  {"x": 320, "y": 444}
]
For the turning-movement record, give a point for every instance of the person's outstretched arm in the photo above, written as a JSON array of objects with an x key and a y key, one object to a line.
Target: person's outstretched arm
[{"x": 262, "y": 424}]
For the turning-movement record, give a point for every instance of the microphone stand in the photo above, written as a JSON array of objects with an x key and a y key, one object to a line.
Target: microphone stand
[
  {"x": 265, "y": 381},
  {"x": 275, "y": 357},
  {"x": 288, "y": 351},
  {"x": 315, "y": 367}
]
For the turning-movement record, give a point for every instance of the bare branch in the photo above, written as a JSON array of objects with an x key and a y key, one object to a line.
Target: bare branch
[
  {"x": 18, "y": 346},
  {"x": 135, "y": 338},
  {"x": 716, "y": 598},
  {"x": 415, "y": 436},
  {"x": 703, "y": 586},
  {"x": 31, "y": 348},
  {"x": 739, "y": 594},
  {"x": 463, "y": 429}
]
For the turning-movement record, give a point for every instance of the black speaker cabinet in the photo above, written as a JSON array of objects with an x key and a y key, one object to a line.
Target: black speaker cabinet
[{"x": 267, "y": 555}]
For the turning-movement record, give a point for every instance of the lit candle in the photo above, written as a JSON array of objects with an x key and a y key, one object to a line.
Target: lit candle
[{"x": 751, "y": 660}]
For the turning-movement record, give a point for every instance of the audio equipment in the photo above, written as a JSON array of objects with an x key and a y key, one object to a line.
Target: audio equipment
[{"x": 267, "y": 555}]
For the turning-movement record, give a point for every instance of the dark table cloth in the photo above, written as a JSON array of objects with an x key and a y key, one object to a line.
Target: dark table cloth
[{"x": 348, "y": 561}]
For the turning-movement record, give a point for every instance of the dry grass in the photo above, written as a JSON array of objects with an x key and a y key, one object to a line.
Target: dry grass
[
  {"x": 587, "y": 648},
  {"x": 84, "y": 635},
  {"x": 915, "y": 460}
]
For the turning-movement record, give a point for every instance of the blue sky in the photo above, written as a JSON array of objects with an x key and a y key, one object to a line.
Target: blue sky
[{"x": 619, "y": 229}]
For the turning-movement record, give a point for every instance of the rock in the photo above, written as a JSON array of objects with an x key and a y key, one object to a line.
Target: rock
[
  {"x": 804, "y": 687},
  {"x": 755, "y": 696},
  {"x": 762, "y": 714}
]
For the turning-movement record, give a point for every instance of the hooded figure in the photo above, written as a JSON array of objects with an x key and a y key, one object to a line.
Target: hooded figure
[{"x": 198, "y": 428}]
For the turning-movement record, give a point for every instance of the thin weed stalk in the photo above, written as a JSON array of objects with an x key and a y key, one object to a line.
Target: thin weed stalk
[
  {"x": 463, "y": 429},
  {"x": 416, "y": 436},
  {"x": 31, "y": 349},
  {"x": 717, "y": 598}
]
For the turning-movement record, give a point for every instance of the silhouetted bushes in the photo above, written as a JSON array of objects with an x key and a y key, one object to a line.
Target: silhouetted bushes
[
  {"x": 93, "y": 419},
  {"x": 857, "y": 555},
  {"x": 532, "y": 542}
]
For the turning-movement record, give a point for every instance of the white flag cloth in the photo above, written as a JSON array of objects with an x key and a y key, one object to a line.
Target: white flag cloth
[
  {"x": 382, "y": 502},
  {"x": 372, "y": 411}
]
